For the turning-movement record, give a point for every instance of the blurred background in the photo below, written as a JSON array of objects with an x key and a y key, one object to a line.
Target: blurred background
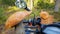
[{"x": 7, "y": 8}]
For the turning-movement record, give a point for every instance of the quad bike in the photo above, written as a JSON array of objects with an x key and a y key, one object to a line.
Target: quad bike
[
  {"x": 32, "y": 23},
  {"x": 43, "y": 29}
]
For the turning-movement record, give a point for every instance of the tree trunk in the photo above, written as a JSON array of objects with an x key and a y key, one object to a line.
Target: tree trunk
[{"x": 56, "y": 9}]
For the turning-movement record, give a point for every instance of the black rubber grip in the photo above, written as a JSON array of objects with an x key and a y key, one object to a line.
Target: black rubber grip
[{"x": 27, "y": 9}]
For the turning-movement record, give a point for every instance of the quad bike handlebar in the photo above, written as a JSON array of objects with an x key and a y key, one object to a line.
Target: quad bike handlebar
[{"x": 22, "y": 4}]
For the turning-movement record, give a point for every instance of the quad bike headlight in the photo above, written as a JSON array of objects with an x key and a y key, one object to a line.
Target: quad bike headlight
[{"x": 20, "y": 4}]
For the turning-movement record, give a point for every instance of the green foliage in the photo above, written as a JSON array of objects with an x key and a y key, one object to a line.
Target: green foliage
[
  {"x": 8, "y": 2},
  {"x": 2, "y": 15},
  {"x": 45, "y": 4}
]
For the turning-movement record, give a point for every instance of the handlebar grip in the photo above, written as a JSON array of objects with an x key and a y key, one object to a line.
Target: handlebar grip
[{"x": 27, "y": 8}]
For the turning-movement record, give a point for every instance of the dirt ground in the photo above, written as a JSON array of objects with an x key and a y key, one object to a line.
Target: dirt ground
[{"x": 2, "y": 31}]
